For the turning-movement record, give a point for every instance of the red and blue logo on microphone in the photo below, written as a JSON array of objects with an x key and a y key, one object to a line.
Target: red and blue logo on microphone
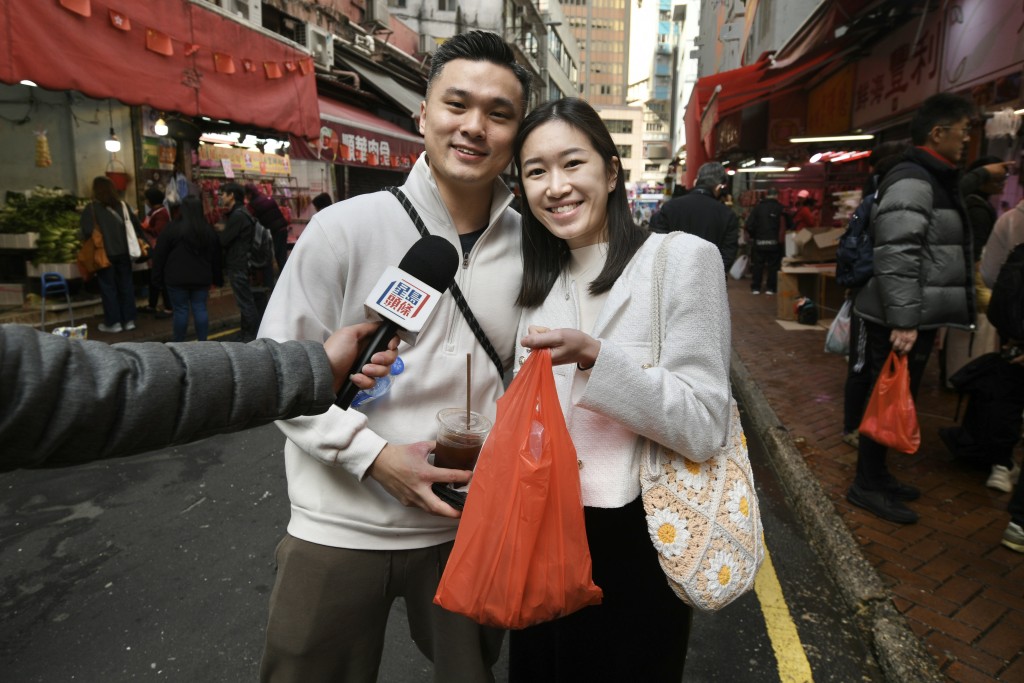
[{"x": 404, "y": 299}]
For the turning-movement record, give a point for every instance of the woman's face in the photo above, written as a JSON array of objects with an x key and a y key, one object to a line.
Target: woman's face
[{"x": 566, "y": 183}]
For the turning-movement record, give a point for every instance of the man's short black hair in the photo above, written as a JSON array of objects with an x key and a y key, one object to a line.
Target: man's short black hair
[
  {"x": 322, "y": 201},
  {"x": 943, "y": 109},
  {"x": 154, "y": 196},
  {"x": 233, "y": 189},
  {"x": 480, "y": 46}
]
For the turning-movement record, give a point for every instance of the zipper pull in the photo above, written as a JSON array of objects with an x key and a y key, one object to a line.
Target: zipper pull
[{"x": 465, "y": 260}]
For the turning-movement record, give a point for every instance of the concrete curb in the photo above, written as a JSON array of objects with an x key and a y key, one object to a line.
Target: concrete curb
[{"x": 899, "y": 652}]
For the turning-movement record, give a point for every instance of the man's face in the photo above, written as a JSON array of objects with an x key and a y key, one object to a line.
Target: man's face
[
  {"x": 468, "y": 122},
  {"x": 227, "y": 200},
  {"x": 948, "y": 141}
]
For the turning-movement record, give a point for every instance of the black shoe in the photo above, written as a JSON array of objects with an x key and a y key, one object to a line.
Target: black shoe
[
  {"x": 148, "y": 310},
  {"x": 950, "y": 437},
  {"x": 881, "y": 504},
  {"x": 900, "y": 491},
  {"x": 162, "y": 315}
]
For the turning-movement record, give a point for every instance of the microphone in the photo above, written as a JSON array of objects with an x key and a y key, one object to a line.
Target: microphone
[{"x": 404, "y": 297}]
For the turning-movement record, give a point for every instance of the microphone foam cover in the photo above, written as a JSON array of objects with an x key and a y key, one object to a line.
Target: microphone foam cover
[{"x": 433, "y": 260}]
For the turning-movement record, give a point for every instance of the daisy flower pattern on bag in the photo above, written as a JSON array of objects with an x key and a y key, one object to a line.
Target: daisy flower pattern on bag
[
  {"x": 668, "y": 532},
  {"x": 738, "y": 505},
  {"x": 692, "y": 474},
  {"x": 721, "y": 572}
]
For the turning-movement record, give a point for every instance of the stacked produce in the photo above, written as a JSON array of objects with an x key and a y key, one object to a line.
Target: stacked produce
[{"x": 50, "y": 212}]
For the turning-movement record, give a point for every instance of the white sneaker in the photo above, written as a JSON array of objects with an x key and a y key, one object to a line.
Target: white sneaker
[
  {"x": 755, "y": 292},
  {"x": 109, "y": 329},
  {"x": 130, "y": 325},
  {"x": 1003, "y": 478},
  {"x": 770, "y": 292}
]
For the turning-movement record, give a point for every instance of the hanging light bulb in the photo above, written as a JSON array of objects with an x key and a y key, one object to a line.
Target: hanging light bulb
[
  {"x": 160, "y": 127},
  {"x": 112, "y": 143}
]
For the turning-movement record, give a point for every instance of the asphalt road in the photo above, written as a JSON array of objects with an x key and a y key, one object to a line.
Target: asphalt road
[{"x": 159, "y": 567}]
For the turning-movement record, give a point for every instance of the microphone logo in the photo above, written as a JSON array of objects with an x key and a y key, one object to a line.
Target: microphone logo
[{"x": 404, "y": 299}]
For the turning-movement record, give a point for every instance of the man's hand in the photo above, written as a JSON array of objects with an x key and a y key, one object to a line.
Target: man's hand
[
  {"x": 404, "y": 472},
  {"x": 343, "y": 348},
  {"x": 567, "y": 345},
  {"x": 999, "y": 171},
  {"x": 903, "y": 341}
]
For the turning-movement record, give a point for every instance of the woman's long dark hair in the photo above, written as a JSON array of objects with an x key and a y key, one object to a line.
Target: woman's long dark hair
[
  {"x": 546, "y": 256},
  {"x": 196, "y": 233},
  {"x": 104, "y": 191}
]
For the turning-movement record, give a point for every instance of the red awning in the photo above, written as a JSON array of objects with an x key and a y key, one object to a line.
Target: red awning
[
  {"x": 171, "y": 55},
  {"x": 737, "y": 89},
  {"x": 354, "y": 137}
]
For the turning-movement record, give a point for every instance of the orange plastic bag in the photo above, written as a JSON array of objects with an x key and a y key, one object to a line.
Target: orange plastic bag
[
  {"x": 890, "y": 418},
  {"x": 521, "y": 555}
]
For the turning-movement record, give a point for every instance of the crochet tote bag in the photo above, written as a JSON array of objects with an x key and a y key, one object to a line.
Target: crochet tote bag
[{"x": 702, "y": 517}]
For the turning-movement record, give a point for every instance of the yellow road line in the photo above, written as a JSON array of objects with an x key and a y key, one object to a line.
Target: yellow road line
[
  {"x": 789, "y": 651},
  {"x": 225, "y": 333}
]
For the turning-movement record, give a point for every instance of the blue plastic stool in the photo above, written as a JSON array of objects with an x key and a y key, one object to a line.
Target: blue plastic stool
[{"x": 54, "y": 282}]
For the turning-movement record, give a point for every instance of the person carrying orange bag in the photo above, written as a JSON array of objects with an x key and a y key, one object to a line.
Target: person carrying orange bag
[
  {"x": 521, "y": 555},
  {"x": 891, "y": 418}
]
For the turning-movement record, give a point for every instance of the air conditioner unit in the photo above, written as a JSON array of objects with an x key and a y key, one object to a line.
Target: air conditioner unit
[
  {"x": 320, "y": 44},
  {"x": 364, "y": 44}
]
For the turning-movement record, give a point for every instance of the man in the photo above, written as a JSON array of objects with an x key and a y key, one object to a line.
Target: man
[
  {"x": 236, "y": 235},
  {"x": 700, "y": 213},
  {"x": 365, "y": 526},
  {"x": 922, "y": 276},
  {"x": 267, "y": 212},
  {"x": 766, "y": 227},
  {"x": 103, "y": 409}
]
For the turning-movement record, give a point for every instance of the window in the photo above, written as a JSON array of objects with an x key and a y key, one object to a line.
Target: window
[
  {"x": 652, "y": 167},
  {"x": 625, "y": 151},
  {"x": 397, "y": 3},
  {"x": 619, "y": 125}
]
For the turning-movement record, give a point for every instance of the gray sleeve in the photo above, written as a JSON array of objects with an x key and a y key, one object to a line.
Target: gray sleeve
[{"x": 64, "y": 402}]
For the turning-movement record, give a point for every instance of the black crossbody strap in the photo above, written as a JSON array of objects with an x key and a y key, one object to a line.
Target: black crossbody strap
[{"x": 460, "y": 300}]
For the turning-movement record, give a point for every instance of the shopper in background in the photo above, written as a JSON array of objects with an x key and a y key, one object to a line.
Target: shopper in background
[
  {"x": 922, "y": 277},
  {"x": 699, "y": 212},
  {"x": 322, "y": 201},
  {"x": 766, "y": 226},
  {"x": 236, "y": 238},
  {"x": 107, "y": 212},
  {"x": 805, "y": 216},
  {"x": 152, "y": 225},
  {"x": 587, "y": 296},
  {"x": 188, "y": 262},
  {"x": 858, "y": 376},
  {"x": 267, "y": 212}
]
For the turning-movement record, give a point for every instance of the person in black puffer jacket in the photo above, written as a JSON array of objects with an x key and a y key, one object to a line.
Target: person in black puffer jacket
[
  {"x": 236, "y": 238},
  {"x": 187, "y": 262},
  {"x": 922, "y": 276}
]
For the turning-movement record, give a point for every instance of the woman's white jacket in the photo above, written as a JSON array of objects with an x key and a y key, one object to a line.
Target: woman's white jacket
[{"x": 682, "y": 401}]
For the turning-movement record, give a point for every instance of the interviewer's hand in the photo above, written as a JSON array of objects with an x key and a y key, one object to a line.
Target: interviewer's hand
[
  {"x": 567, "y": 345},
  {"x": 404, "y": 472},
  {"x": 903, "y": 340},
  {"x": 343, "y": 348}
]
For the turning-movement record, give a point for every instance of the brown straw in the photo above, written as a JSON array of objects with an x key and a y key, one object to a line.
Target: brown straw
[{"x": 469, "y": 377}]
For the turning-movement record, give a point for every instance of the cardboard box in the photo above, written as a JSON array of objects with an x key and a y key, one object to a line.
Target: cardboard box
[
  {"x": 816, "y": 282},
  {"x": 12, "y": 295},
  {"x": 817, "y": 244}
]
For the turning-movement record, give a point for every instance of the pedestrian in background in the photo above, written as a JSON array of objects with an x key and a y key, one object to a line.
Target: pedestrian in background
[
  {"x": 267, "y": 212},
  {"x": 235, "y": 237},
  {"x": 116, "y": 222},
  {"x": 766, "y": 227},
  {"x": 700, "y": 213},
  {"x": 187, "y": 262},
  {"x": 922, "y": 277},
  {"x": 805, "y": 216},
  {"x": 322, "y": 201},
  {"x": 152, "y": 225},
  {"x": 587, "y": 296}
]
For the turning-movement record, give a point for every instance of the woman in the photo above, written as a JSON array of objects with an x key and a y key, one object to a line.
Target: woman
[
  {"x": 187, "y": 262},
  {"x": 587, "y": 293},
  {"x": 107, "y": 212}
]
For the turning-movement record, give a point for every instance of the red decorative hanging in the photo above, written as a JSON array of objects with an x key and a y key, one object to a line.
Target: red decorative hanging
[
  {"x": 191, "y": 49},
  {"x": 273, "y": 70},
  {"x": 159, "y": 43},
  {"x": 290, "y": 67},
  {"x": 82, "y": 7},
  {"x": 306, "y": 66},
  {"x": 223, "y": 63},
  {"x": 248, "y": 65},
  {"x": 119, "y": 21}
]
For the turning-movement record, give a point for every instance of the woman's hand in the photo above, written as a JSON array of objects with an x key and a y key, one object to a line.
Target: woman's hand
[{"x": 567, "y": 345}]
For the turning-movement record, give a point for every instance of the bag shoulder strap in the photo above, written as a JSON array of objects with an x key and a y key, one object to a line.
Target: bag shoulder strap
[{"x": 460, "y": 300}]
